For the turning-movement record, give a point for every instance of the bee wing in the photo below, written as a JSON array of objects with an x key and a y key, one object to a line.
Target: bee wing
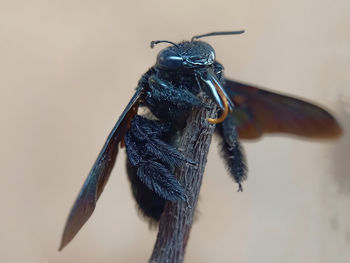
[
  {"x": 99, "y": 174},
  {"x": 259, "y": 111}
]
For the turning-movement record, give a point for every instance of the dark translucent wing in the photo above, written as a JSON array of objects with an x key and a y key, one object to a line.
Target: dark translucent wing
[
  {"x": 260, "y": 111},
  {"x": 99, "y": 174}
]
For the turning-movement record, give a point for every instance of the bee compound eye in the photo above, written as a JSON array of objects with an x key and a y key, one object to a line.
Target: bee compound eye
[{"x": 168, "y": 59}]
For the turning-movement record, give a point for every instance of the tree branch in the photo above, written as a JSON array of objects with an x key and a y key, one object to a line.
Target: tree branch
[{"x": 176, "y": 221}]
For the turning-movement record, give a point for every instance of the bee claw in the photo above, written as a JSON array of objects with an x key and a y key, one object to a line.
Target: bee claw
[{"x": 191, "y": 162}]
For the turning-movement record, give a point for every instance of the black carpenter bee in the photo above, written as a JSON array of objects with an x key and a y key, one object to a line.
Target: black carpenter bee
[{"x": 169, "y": 91}]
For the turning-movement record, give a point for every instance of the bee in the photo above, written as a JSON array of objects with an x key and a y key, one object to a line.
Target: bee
[{"x": 169, "y": 90}]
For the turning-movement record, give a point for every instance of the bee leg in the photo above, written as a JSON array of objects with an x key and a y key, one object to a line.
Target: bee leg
[
  {"x": 150, "y": 204},
  {"x": 151, "y": 165},
  {"x": 168, "y": 102},
  {"x": 231, "y": 151}
]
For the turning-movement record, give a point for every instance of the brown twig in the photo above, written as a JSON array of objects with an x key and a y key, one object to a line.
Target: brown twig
[{"x": 176, "y": 221}]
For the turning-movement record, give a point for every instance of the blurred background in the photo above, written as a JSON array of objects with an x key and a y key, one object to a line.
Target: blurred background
[{"x": 68, "y": 69}]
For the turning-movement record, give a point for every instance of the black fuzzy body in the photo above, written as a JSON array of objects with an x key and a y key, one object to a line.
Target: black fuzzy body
[
  {"x": 170, "y": 92},
  {"x": 151, "y": 143}
]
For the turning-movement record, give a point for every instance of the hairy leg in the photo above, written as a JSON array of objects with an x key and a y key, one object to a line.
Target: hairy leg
[
  {"x": 232, "y": 151},
  {"x": 151, "y": 163}
]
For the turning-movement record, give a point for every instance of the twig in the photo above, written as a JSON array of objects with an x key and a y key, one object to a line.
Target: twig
[{"x": 176, "y": 221}]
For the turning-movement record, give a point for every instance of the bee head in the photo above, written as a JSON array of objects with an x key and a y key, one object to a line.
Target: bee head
[{"x": 188, "y": 54}]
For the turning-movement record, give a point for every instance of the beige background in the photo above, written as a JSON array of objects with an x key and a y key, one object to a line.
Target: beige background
[{"x": 67, "y": 70}]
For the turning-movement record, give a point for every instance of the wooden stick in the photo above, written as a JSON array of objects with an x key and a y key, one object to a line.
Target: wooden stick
[{"x": 176, "y": 221}]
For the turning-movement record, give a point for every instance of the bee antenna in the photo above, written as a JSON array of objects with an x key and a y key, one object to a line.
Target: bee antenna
[
  {"x": 219, "y": 34},
  {"x": 153, "y": 43}
]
